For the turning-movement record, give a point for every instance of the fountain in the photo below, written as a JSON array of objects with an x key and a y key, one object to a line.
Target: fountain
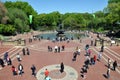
[{"x": 60, "y": 33}]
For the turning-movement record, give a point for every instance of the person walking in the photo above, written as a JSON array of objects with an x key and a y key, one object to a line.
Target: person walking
[
  {"x": 92, "y": 41},
  {"x": 74, "y": 56},
  {"x": 109, "y": 63},
  {"x": 23, "y": 50},
  {"x": 102, "y": 48},
  {"x": 86, "y": 49},
  {"x": 79, "y": 51},
  {"x": 99, "y": 56},
  {"x": 63, "y": 47},
  {"x": 94, "y": 59},
  {"x": 49, "y": 48},
  {"x": 56, "y": 48},
  {"x": 46, "y": 73},
  {"x": 14, "y": 71},
  {"x": 28, "y": 52},
  {"x": 108, "y": 73},
  {"x": 9, "y": 61},
  {"x": 18, "y": 57},
  {"x": 89, "y": 52},
  {"x": 5, "y": 56},
  {"x": 61, "y": 67},
  {"x": 114, "y": 65},
  {"x": 20, "y": 69},
  {"x": 1, "y": 62},
  {"x": 33, "y": 68}
]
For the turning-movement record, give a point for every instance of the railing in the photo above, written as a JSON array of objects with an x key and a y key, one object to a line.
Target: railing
[
  {"x": 18, "y": 42},
  {"x": 107, "y": 42}
]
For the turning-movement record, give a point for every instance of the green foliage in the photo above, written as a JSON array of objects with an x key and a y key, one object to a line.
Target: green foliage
[
  {"x": 69, "y": 22},
  {"x": 19, "y": 19},
  {"x": 113, "y": 1},
  {"x": 56, "y": 16},
  {"x": 21, "y": 5},
  {"x": 24, "y": 10},
  {"x": 7, "y": 29},
  {"x": 113, "y": 15},
  {"x": 50, "y": 20},
  {"x": 100, "y": 29},
  {"x": 73, "y": 21},
  {"x": 16, "y": 17},
  {"x": 3, "y": 14}
]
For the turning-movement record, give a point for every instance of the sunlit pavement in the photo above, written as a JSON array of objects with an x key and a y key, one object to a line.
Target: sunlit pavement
[{"x": 41, "y": 58}]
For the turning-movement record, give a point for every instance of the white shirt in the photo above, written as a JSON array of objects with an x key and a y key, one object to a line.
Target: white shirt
[
  {"x": 56, "y": 47},
  {"x": 18, "y": 56},
  {"x": 79, "y": 50}
]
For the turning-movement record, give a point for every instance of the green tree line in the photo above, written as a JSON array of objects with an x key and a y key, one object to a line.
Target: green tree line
[{"x": 14, "y": 18}]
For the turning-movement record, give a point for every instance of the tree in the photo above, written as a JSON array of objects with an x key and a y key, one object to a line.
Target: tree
[
  {"x": 56, "y": 18},
  {"x": 48, "y": 21},
  {"x": 25, "y": 7},
  {"x": 69, "y": 23},
  {"x": 19, "y": 19},
  {"x": 74, "y": 21},
  {"x": 113, "y": 1},
  {"x": 3, "y": 14},
  {"x": 113, "y": 15},
  {"x": 21, "y": 5},
  {"x": 7, "y": 29}
]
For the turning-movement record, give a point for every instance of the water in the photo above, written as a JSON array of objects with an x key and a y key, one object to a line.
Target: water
[{"x": 52, "y": 36}]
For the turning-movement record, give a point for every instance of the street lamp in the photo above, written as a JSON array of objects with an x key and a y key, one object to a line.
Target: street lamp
[
  {"x": 93, "y": 15},
  {"x": 30, "y": 20}
]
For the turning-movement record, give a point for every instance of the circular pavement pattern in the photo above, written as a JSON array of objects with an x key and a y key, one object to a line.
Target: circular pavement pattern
[
  {"x": 57, "y": 74},
  {"x": 70, "y": 73}
]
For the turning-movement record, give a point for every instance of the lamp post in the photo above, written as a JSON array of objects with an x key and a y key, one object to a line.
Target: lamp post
[
  {"x": 30, "y": 20},
  {"x": 93, "y": 20}
]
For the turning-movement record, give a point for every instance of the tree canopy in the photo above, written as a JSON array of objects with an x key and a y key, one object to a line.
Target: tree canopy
[{"x": 14, "y": 18}]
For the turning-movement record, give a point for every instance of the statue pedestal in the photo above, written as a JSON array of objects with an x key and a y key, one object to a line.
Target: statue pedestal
[{"x": 60, "y": 35}]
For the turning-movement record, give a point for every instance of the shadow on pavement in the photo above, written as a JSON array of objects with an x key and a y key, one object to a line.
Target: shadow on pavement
[{"x": 105, "y": 75}]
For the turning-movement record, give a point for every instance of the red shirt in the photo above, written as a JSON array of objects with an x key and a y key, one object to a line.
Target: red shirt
[
  {"x": 94, "y": 57},
  {"x": 46, "y": 73},
  {"x": 13, "y": 69}
]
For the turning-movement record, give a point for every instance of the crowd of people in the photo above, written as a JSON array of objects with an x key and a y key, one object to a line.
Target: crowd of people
[
  {"x": 90, "y": 59},
  {"x": 56, "y": 49},
  {"x": 20, "y": 70}
]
